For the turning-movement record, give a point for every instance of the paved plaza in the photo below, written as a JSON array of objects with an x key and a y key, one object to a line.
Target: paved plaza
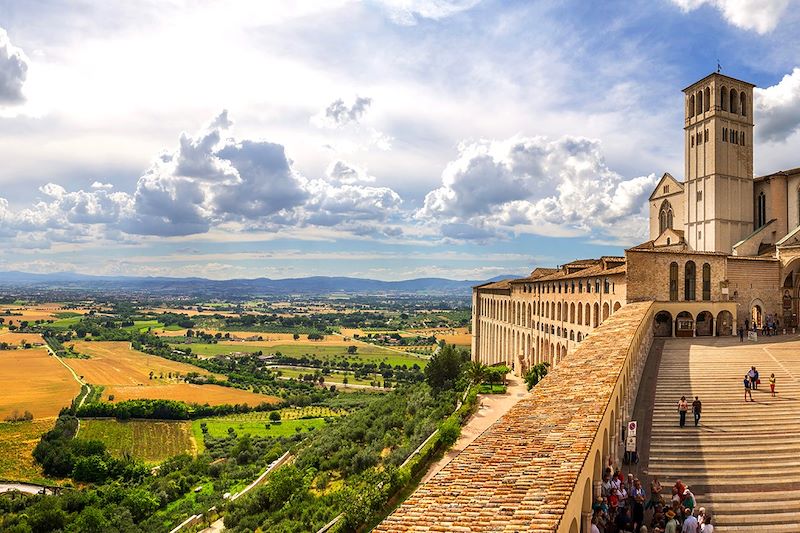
[{"x": 742, "y": 462}]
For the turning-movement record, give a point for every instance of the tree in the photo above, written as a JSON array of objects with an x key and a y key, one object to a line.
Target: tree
[
  {"x": 296, "y": 336},
  {"x": 352, "y": 349},
  {"x": 476, "y": 372},
  {"x": 275, "y": 416},
  {"x": 535, "y": 374},
  {"x": 444, "y": 368}
]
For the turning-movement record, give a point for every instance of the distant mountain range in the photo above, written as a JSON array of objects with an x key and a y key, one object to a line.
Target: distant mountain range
[{"x": 315, "y": 285}]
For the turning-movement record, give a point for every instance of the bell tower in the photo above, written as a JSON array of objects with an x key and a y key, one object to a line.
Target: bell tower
[{"x": 718, "y": 141}]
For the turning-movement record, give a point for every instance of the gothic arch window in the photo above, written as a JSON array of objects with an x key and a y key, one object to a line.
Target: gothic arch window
[
  {"x": 690, "y": 281},
  {"x": 707, "y": 99},
  {"x": 706, "y": 282},
  {"x": 743, "y": 103},
  {"x": 664, "y": 217},
  {"x": 699, "y": 102},
  {"x": 673, "y": 282},
  {"x": 761, "y": 210},
  {"x": 734, "y": 102},
  {"x": 691, "y": 106},
  {"x": 723, "y": 100}
]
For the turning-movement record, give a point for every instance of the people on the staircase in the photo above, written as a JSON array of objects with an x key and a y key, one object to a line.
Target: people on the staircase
[
  {"x": 757, "y": 380},
  {"x": 683, "y": 406},
  {"x": 751, "y": 374},
  {"x": 772, "y": 384},
  {"x": 697, "y": 407},
  {"x": 747, "y": 392}
]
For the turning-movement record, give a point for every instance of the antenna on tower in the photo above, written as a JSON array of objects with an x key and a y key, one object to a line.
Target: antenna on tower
[{"x": 719, "y": 67}]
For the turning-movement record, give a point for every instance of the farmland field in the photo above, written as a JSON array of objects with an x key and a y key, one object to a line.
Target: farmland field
[
  {"x": 15, "y": 339},
  {"x": 149, "y": 440},
  {"x": 125, "y": 373},
  {"x": 115, "y": 363},
  {"x": 333, "y": 377},
  {"x": 365, "y": 353},
  {"x": 17, "y": 441},
  {"x": 33, "y": 380},
  {"x": 186, "y": 392},
  {"x": 256, "y": 422}
]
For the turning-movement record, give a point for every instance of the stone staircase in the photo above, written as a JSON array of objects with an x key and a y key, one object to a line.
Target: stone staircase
[{"x": 743, "y": 462}]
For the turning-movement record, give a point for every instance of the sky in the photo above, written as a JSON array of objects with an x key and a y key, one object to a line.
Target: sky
[{"x": 388, "y": 139}]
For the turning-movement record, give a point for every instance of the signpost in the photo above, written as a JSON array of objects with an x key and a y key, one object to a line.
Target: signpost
[{"x": 630, "y": 443}]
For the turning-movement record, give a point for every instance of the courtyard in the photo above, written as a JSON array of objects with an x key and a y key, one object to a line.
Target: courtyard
[{"x": 741, "y": 461}]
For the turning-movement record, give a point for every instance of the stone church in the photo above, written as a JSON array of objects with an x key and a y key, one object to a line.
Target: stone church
[{"x": 723, "y": 254}]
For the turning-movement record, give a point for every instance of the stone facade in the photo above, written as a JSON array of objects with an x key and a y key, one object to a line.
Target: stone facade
[
  {"x": 724, "y": 251},
  {"x": 541, "y": 318}
]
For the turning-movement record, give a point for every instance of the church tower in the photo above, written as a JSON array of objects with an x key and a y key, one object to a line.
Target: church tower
[{"x": 718, "y": 182}]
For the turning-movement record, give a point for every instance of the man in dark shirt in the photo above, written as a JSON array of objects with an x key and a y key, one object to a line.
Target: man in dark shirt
[{"x": 697, "y": 406}]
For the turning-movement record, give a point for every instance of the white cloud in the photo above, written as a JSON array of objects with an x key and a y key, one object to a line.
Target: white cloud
[
  {"x": 347, "y": 173},
  {"x": 13, "y": 72},
  {"x": 408, "y": 12},
  {"x": 534, "y": 185},
  {"x": 778, "y": 108},
  {"x": 759, "y": 15},
  {"x": 338, "y": 114},
  {"x": 213, "y": 179}
]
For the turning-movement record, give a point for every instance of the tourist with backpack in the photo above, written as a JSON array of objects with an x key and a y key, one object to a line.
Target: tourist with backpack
[
  {"x": 697, "y": 406},
  {"x": 747, "y": 392}
]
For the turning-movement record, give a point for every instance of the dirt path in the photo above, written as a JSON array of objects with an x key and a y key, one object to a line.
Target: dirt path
[{"x": 490, "y": 409}]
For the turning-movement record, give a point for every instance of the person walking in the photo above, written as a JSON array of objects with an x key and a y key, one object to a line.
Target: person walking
[
  {"x": 741, "y": 334},
  {"x": 697, "y": 407},
  {"x": 772, "y": 384},
  {"x": 751, "y": 375},
  {"x": 758, "y": 380},
  {"x": 747, "y": 388},
  {"x": 683, "y": 406},
  {"x": 672, "y": 524}
]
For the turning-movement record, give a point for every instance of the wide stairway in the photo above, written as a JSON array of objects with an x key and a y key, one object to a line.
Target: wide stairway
[{"x": 743, "y": 462}]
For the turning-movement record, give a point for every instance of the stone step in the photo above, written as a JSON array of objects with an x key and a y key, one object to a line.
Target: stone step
[
  {"x": 719, "y": 459},
  {"x": 750, "y": 520},
  {"x": 716, "y": 472}
]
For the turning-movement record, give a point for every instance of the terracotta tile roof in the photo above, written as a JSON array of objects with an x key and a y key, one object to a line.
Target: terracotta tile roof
[{"x": 521, "y": 472}]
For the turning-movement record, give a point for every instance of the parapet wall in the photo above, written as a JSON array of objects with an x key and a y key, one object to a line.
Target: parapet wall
[{"x": 536, "y": 469}]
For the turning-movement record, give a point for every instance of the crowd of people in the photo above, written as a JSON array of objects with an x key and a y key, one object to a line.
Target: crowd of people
[{"x": 624, "y": 507}]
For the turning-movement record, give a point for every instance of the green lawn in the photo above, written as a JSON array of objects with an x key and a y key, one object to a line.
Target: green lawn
[
  {"x": 68, "y": 322},
  {"x": 333, "y": 377},
  {"x": 368, "y": 353},
  {"x": 144, "y": 325},
  {"x": 218, "y": 427},
  {"x": 210, "y": 350}
]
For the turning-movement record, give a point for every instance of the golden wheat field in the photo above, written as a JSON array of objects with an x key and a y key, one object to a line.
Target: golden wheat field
[
  {"x": 33, "y": 380},
  {"x": 115, "y": 363},
  {"x": 186, "y": 392}
]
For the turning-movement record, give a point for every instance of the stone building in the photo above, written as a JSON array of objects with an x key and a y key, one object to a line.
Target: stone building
[{"x": 724, "y": 251}]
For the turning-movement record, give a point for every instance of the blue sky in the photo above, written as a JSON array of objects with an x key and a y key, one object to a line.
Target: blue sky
[{"x": 386, "y": 138}]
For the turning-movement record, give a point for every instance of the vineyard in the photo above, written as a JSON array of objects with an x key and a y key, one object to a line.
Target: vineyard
[{"x": 148, "y": 440}]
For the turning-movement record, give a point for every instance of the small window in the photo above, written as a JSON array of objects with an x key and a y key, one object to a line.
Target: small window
[
  {"x": 724, "y": 135},
  {"x": 692, "y": 141},
  {"x": 699, "y": 196},
  {"x": 741, "y": 138},
  {"x": 705, "y": 136},
  {"x": 699, "y": 235},
  {"x": 666, "y": 189}
]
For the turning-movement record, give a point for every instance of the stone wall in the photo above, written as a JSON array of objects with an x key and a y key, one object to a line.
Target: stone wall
[
  {"x": 537, "y": 468},
  {"x": 649, "y": 278},
  {"x": 754, "y": 281}
]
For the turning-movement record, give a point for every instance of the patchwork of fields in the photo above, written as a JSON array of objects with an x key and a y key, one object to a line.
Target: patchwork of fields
[
  {"x": 125, "y": 374},
  {"x": 32, "y": 380},
  {"x": 115, "y": 363}
]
